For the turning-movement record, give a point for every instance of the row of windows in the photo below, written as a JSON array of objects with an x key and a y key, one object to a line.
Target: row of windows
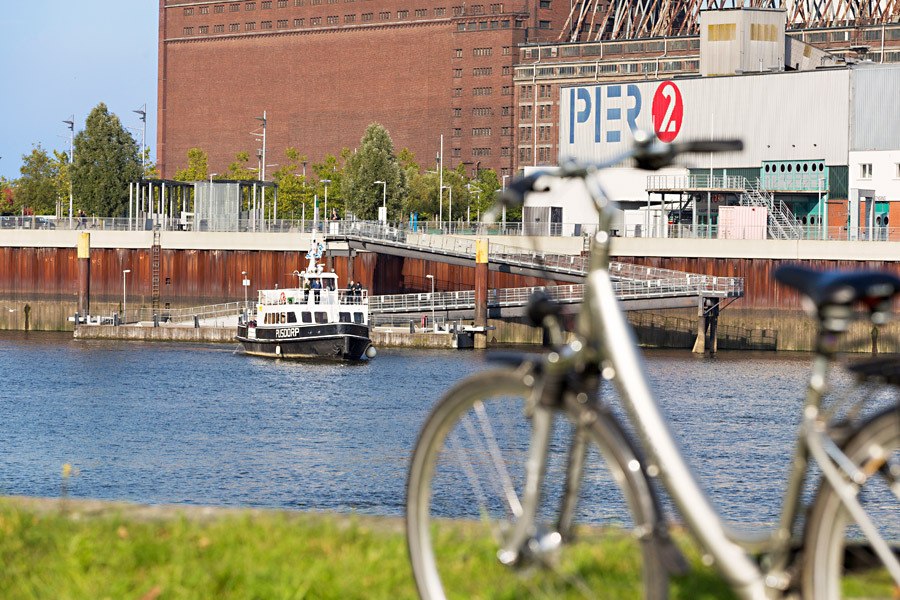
[
  {"x": 481, "y": 132},
  {"x": 484, "y": 111},
  {"x": 482, "y": 152},
  {"x": 458, "y": 11},
  {"x": 483, "y": 25},
  {"x": 610, "y": 68},
  {"x": 333, "y": 20},
  {"x": 506, "y": 90},
  {"x": 309, "y": 317},
  {"x": 544, "y": 155},
  {"x": 484, "y": 51}
]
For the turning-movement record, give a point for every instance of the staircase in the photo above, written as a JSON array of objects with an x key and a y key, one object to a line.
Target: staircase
[
  {"x": 782, "y": 224},
  {"x": 154, "y": 253}
]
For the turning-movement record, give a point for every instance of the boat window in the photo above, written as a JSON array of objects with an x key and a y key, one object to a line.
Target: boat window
[
  {"x": 321, "y": 317},
  {"x": 344, "y": 317},
  {"x": 269, "y": 318},
  {"x": 306, "y": 317},
  {"x": 358, "y": 317},
  {"x": 292, "y": 317}
]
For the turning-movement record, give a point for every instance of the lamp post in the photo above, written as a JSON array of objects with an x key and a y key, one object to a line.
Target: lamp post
[
  {"x": 383, "y": 198},
  {"x": 71, "y": 124},
  {"x": 450, "y": 211},
  {"x": 124, "y": 297},
  {"x": 142, "y": 111},
  {"x": 326, "y": 182},
  {"x": 246, "y": 283},
  {"x": 433, "y": 322}
]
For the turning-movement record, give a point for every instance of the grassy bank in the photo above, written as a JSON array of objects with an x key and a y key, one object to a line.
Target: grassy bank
[{"x": 77, "y": 549}]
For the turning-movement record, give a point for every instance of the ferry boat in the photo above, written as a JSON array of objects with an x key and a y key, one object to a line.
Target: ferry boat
[{"x": 315, "y": 320}]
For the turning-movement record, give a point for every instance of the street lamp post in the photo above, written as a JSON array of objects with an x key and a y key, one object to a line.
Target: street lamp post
[
  {"x": 326, "y": 182},
  {"x": 124, "y": 297},
  {"x": 450, "y": 210},
  {"x": 383, "y": 198},
  {"x": 433, "y": 322},
  {"x": 142, "y": 111},
  {"x": 71, "y": 124}
]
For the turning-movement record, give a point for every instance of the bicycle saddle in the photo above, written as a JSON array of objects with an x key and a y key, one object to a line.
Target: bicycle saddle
[{"x": 840, "y": 287}]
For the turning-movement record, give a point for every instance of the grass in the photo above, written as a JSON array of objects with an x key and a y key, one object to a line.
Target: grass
[{"x": 65, "y": 549}]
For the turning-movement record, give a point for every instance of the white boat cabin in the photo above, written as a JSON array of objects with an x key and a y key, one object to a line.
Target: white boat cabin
[{"x": 317, "y": 301}]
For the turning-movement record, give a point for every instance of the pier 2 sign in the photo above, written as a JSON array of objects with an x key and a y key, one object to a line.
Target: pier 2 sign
[
  {"x": 598, "y": 115},
  {"x": 667, "y": 111}
]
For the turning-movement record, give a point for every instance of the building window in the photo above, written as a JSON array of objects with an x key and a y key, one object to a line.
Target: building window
[
  {"x": 525, "y": 133},
  {"x": 282, "y": 3},
  {"x": 482, "y": 111},
  {"x": 481, "y": 152},
  {"x": 543, "y": 24},
  {"x": 482, "y": 52},
  {"x": 234, "y": 7},
  {"x": 440, "y": 12},
  {"x": 496, "y": 8},
  {"x": 478, "y": 9},
  {"x": 457, "y": 73},
  {"x": 524, "y": 155},
  {"x": 204, "y": 10},
  {"x": 299, "y": 2},
  {"x": 349, "y": 18},
  {"x": 457, "y": 112},
  {"x": 482, "y": 91},
  {"x": 481, "y": 132},
  {"x": 544, "y": 91},
  {"x": 266, "y": 5},
  {"x": 507, "y": 70},
  {"x": 459, "y": 53},
  {"x": 188, "y": 12},
  {"x": 865, "y": 171},
  {"x": 506, "y": 111},
  {"x": 402, "y": 14},
  {"x": 545, "y": 4},
  {"x": 315, "y": 21},
  {"x": 188, "y": 31},
  {"x": 250, "y": 6},
  {"x": 527, "y": 90},
  {"x": 507, "y": 90},
  {"x": 505, "y": 151},
  {"x": 459, "y": 11},
  {"x": 460, "y": 26},
  {"x": 366, "y": 17},
  {"x": 218, "y": 29},
  {"x": 506, "y": 131},
  {"x": 421, "y": 13},
  {"x": 219, "y": 8},
  {"x": 457, "y": 92},
  {"x": 249, "y": 26},
  {"x": 234, "y": 27},
  {"x": 265, "y": 25},
  {"x": 282, "y": 23},
  {"x": 203, "y": 29},
  {"x": 482, "y": 71},
  {"x": 457, "y": 132},
  {"x": 525, "y": 111},
  {"x": 456, "y": 153},
  {"x": 507, "y": 51},
  {"x": 544, "y": 110},
  {"x": 333, "y": 20},
  {"x": 298, "y": 22},
  {"x": 384, "y": 16}
]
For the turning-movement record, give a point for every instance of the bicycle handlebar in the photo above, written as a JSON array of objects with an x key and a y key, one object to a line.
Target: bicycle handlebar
[{"x": 648, "y": 152}]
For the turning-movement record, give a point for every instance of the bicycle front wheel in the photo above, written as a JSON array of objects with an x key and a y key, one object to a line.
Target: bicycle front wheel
[
  {"x": 838, "y": 559},
  {"x": 464, "y": 491}
]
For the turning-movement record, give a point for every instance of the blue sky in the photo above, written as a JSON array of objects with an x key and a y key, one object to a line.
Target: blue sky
[{"x": 61, "y": 57}]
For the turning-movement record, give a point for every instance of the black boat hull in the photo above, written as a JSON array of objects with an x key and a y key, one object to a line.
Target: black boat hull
[{"x": 342, "y": 341}]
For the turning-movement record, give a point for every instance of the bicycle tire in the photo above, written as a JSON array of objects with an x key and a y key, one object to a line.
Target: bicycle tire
[
  {"x": 435, "y": 513},
  {"x": 837, "y": 562}
]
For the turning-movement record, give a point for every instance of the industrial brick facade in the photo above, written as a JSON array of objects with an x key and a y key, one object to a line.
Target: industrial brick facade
[{"x": 324, "y": 69}]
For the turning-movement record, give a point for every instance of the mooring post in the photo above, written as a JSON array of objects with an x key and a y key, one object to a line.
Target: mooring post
[
  {"x": 700, "y": 342},
  {"x": 84, "y": 273},
  {"x": 712, "y": 325},
  {"x": 481, "y": 292}
]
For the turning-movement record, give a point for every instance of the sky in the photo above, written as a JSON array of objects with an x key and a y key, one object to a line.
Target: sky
[{"x": 61, "y": 58}]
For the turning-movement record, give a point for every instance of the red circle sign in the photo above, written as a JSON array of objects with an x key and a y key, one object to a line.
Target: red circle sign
[{"x": 667, "y": 112}]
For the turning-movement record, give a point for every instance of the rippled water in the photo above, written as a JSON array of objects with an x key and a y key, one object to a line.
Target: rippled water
[{"x": 185, "y": 423}]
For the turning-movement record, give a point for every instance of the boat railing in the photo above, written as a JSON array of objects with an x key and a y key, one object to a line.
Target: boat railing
[{"x": 315, "y": 297}]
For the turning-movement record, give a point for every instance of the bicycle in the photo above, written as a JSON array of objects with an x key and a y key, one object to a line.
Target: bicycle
[{"x": 497, "y": 433}]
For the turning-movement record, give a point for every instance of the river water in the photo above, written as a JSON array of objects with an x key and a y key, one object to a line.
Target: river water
[{"x": 199, "y": 424}]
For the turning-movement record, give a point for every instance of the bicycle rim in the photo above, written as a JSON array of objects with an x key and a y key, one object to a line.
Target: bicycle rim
[
  {"x": 466, "y": 477},
  {"x": 839, "y": 562}
]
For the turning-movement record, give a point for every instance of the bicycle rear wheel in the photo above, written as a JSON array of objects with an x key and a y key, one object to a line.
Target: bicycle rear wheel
[
  {"x": 838, "y": 561},
  {"x": 467, "y": 475}
]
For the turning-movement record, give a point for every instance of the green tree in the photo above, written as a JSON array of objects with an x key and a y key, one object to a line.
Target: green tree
[
  {"x": 39, "y": 187},
  {"x": 374, "y": 161},
  {"x": 7, "y": 196},
  {"x": 487, "y": 185},
  {"x": 197, "y": 167},
  {"x": 106, "y": 160},
  {"x": 330, "y": 168},
  {"x": 238, "y": 169},
  {"x": 150, "y": 170},
  {"x": 294, "y": 196}
]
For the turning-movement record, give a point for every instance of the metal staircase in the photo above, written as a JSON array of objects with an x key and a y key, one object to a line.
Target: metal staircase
[{"x": 782, "y": 223}]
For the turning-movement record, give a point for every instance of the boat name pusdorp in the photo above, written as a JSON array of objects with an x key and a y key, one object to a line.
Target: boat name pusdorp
[{"x": 286, "y": 332}]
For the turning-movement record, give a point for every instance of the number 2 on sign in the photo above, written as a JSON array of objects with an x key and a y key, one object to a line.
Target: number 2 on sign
[{"x": 668, "y": 111}]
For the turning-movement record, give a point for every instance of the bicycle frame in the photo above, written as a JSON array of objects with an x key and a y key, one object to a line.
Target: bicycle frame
[{"x": 606, "y": 338}]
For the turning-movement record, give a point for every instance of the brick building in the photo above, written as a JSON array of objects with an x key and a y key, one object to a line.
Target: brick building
[{"x": 324, "y": 69}]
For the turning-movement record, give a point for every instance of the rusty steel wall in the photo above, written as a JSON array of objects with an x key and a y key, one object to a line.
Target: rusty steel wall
[{"x": 196, "y": 277}]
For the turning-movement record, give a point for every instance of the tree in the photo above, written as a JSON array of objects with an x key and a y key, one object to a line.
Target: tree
[
  {"x": 238, "y": 168},
  {"x": 374, "y": 161},
  {"x": 150, "y": 170},
  {"x": 330, "y": 169},
  {"x": 294, "y": 196},
  {"x": 197, "y": 167},
  {"x": 106, "y": 160},
  {"x": 43, "y": 181},
  {"x": 487, "y": 183},
  {"x": 7, "y": 196}
]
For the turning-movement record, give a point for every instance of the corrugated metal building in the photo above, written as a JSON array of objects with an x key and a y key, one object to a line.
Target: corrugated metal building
[{"x": 826, "y": 143}]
